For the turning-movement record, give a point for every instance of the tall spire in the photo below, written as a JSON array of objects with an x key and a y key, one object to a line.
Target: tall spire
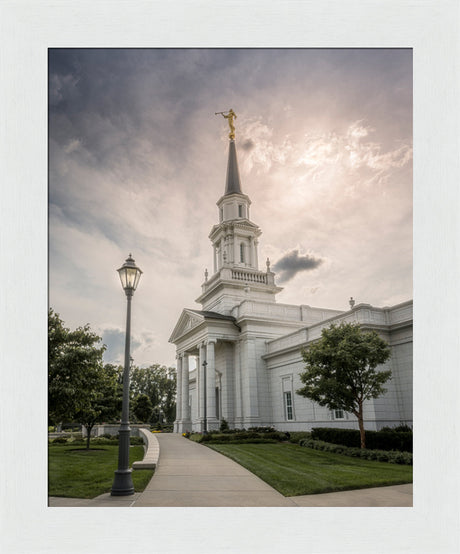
[{"x": 233, "y": 184}]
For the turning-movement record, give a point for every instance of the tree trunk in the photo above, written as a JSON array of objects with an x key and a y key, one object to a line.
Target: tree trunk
[
  {"x": 361, "y": 426},
  {"x": 88, "y": 435}
]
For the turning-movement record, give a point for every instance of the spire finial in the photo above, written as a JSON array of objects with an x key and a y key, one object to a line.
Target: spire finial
[
  {"x": 230, "y": 116},
  {"x": 268, "y": 265}
]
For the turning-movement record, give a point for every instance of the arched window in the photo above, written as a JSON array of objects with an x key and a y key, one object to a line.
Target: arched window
[
  {"x": 242, "y": 252},
  {"x": 240, "y": 210}
]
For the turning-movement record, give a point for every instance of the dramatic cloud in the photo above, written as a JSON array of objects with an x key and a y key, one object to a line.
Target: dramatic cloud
[
  {"x": 291, "y": 264},
  {"x": 114, "y": 339},
  {"x": 137, "y": 161},
  {"x": 247, "y": 145}
]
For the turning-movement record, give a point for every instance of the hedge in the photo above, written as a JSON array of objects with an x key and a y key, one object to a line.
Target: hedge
[
  {"x": 246, "y": 436},
  {"x": 375, "y": 440},
  {"x": 393, "y": 457}
]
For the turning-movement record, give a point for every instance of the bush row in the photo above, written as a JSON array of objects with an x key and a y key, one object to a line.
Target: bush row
[
  {"x": 227, "y": 431},
  {"x": 232, "y": 440},
  {"x": 252, "y": 436},
  {"x": 375, "y": 440},
  {"x": 391, "y": 456},
  {"x": 296, "y": 436}
]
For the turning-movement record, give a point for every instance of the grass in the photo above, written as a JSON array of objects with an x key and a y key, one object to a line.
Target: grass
[
  {"x": 79, "y": 473},
  {"x": 294, "y": 470}
]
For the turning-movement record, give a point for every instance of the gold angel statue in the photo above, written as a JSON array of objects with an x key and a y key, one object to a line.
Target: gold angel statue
[{"x": 230, "y": 117}]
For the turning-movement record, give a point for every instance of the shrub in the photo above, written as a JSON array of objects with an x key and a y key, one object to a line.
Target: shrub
[
  {"x": 391, "y": 456},
  {"x": 375, "y": 440},
  {"x": 296, "y": 436},
  {"x": 105, "y": 440},
  {"x": 238, "y": 436},
  {"x": 403, "y": 428},
  {"x": 223, "y": 425},
  {"x": 59, "y": 440},
  {"x": 262, "y": 429}
]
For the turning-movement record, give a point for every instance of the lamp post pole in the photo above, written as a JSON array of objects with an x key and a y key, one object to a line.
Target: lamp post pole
[{"x": 123, "y": 483}]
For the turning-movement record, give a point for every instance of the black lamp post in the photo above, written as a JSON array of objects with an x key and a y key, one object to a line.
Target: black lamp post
[
  {"x": 123, "y": 483},
  {"x": 205, "y": 430}
]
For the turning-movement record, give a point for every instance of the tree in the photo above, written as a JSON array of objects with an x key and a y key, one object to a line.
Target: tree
[
  {"x": 341, "y": 370},
  {"x": 74, "y": 362},
  {"x": 159, "y": 384},
  {"x": 142, "y": 408},
  {"x": 102, "y": 402}
]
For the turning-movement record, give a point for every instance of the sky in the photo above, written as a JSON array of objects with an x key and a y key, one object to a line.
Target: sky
[{"x": 137, "y": 162}]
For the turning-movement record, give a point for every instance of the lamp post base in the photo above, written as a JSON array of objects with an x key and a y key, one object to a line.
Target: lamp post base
[{"x": 123, "y": 483}]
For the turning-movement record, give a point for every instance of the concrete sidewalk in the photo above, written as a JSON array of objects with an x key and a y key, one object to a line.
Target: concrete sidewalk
[{"x": 189, "y": 474}]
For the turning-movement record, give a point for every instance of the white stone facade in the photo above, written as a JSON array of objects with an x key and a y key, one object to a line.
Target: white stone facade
[{"x": 247, "y": 348}]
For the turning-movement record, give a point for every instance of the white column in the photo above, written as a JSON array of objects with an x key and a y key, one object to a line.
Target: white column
[
  {"x": 238, "y": 391},
  {"x": 211, "y": 386},
  {"x": 201, "y": 384},
  {"x": 236, "y": 249},
  {"x": 251, "y": 246},
  {"x": 249, "y": 382},
  {"x": 178, "y": 393},
  {"x": 185, "y": 391}
]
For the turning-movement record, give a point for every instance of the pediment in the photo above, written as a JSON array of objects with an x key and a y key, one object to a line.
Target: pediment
[{"x": 188, "y": 320}]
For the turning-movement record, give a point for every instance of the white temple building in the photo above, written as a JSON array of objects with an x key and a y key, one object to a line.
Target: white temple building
[{"x": 247, "y": 347}]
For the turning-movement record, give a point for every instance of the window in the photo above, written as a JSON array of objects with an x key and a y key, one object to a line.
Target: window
[
  {"x": 240, "y": 210},
  {"x": 221, "y": 213},
  {"x": 241, "y": 252},
  {"x": 288, "y": 405},
  {"x": 338, "y": 414}
]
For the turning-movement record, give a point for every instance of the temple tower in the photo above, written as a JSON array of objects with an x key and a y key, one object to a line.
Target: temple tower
[{"x": 234, "y": 240}]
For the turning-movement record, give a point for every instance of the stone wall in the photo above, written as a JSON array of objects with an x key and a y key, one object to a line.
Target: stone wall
[{"x": 107, "y": 429}]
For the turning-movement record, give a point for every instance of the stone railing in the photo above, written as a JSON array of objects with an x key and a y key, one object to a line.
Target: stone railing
[
  {"x": 294, "y": 339},
  {"x": 268, "y": 309},
  {"x": 401, "y": 313},
  {"x": 249, "y": 276}
]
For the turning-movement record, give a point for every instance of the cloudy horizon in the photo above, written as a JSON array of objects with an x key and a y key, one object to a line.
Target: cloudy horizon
[{"x": 137, "y": 161}]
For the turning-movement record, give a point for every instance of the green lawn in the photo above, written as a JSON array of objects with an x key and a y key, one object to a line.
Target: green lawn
[
  {"x": 295, "y": 470},
  {"x": 79, "y": 473}
]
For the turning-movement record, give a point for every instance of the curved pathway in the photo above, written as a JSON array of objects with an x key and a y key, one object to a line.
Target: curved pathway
[{"x": 190, "y": 474}]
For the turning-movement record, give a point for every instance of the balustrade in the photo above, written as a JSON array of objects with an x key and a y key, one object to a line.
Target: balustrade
[{"x": 249, "y": 276}]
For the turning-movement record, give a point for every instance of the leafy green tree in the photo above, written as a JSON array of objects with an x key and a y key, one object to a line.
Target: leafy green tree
[
  {"x": 159, "y": 384},
  {"x": 74, "y": 362},
  {"x": 341, "y": 370},
  {"x": 142, "y": 408},
  {"x": 168, "y": 402},
  {"x": 102, "y": 402}
]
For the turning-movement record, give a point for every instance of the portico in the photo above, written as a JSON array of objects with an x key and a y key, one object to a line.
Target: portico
[{"x": 207, "y": 341}]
